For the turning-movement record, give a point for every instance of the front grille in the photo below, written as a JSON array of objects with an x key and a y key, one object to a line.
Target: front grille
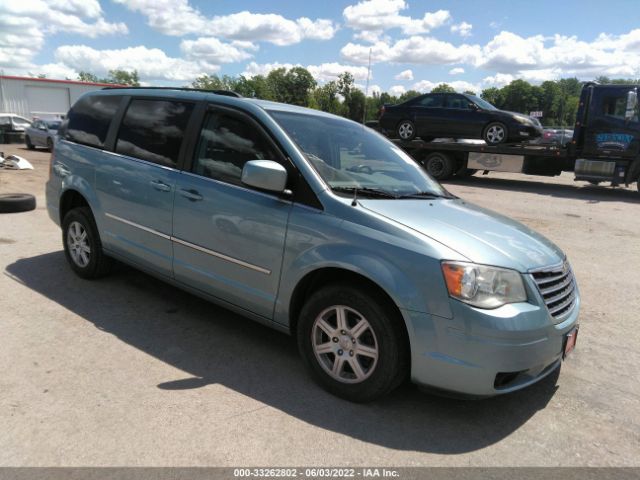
[{"x": 558, "y": 288}]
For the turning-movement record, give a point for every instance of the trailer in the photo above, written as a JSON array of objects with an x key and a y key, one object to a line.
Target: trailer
[{"x": 605, "y": 146}]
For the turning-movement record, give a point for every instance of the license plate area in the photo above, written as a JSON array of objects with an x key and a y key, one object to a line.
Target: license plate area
[{"x": 570, "y": 342}]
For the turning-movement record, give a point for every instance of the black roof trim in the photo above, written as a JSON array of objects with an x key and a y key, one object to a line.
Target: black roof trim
[{"x": 226, "y": 93}]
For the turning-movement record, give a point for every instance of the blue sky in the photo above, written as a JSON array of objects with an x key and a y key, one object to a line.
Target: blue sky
[{"x": 414, "y": 44}]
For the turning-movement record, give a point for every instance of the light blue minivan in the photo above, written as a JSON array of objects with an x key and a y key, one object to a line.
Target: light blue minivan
[{"x": 319, "y": 227}]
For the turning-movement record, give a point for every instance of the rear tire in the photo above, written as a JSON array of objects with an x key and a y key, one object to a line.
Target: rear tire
[
  {"x": 30, "y": 145},
  {"x": 352, "y": 343},
  {"x": 438, "y": 165},
  {"x": 82, "y": 245},
  {"x": 406, "y": 130},
  {"x": 495, "y": 133}
]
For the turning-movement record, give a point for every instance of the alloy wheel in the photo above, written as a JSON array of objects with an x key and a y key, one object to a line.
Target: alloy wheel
[
  {"x": 405, "y": 130},
  {"x": 345, "y": 344},
  {"x": 495, "y": 134},
  {"x": 78, "y": 244}
]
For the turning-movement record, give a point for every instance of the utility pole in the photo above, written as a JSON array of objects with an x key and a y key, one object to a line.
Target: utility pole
[{"x": 366, "y": 90}]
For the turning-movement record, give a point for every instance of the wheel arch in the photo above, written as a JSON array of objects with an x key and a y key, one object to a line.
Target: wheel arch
[
  {"x": 323, "y": 276},
  {"x": 69, "y": 200}
]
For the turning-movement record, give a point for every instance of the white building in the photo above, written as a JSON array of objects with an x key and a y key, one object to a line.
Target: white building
[{"x": 41, "y": 97}]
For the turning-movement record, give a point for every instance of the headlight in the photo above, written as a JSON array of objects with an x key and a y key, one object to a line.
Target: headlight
[
  {"x": 482, "y": 286},
  {"x": 523, "y": 120}
]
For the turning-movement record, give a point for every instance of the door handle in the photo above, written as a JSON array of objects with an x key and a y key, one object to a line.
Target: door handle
[
  {"x": 191, "y": 195},
  {"x": 158, "y": 185}
]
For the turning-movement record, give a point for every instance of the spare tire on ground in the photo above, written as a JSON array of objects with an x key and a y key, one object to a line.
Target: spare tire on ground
[{"x": 16, "y": 202}]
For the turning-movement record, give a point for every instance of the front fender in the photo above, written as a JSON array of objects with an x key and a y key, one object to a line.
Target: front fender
[{"x": 412, "y": 278}]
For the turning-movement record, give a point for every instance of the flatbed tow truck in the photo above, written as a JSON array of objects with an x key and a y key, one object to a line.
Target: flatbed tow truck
[{"x": 605, "y": 146}]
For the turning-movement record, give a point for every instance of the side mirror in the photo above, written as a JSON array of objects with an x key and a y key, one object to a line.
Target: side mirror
[
  {"x": 474, "y": 107},
  {"x": 265, "y": 175},
  {"x": 42, "y": 127},
  {"x": 632, "y": 103}
]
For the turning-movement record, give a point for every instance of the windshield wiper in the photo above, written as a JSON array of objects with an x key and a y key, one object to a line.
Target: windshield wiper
[
  {"x": 373, "y": 192},
  {"x": 427, "y": 195}
]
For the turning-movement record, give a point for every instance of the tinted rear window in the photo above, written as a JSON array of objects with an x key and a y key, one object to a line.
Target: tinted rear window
[
  {"x": 431, "y": 101},
  {"x": 90, "y": 118},
  {"x": 153, "y": 130}
]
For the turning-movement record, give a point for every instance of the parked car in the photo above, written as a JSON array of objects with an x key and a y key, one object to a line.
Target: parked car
[
  {"x": 41, "y": 133},
  {"x": 456, "y": 115},
  {"x": 316, "y": 226},
  {"x": 10, "y": 122},
  {"x": 556, "y": 136}
]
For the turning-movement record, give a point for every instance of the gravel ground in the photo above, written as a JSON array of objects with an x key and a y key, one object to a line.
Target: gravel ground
[{"x": 128, "y": 371}]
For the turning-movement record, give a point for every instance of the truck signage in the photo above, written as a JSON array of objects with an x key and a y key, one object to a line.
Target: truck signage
[{"x": 618, "y": 141}]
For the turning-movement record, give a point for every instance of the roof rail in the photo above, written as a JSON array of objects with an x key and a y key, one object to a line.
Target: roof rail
[{"x": 227, "y": 93}]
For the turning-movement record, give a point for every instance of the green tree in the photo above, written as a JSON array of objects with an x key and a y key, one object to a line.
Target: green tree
[
  {"x": 326, "y": 98},
  {"x": 213, "y": 82},
  {"x": 494, "y": 96},
  {"x": 124, "y": 77},
  {"x": 300, "y": 83},
  {"x": 470, "y": 92},
  {"x": 443, "y": 88},
  {"x": 408, "y": 95},
  {"x": 353, "y": 99},
  {"x": 88, "y": 77}
]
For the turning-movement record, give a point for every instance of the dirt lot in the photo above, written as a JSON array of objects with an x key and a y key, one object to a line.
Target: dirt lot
[{"x": 129, "y": 371}]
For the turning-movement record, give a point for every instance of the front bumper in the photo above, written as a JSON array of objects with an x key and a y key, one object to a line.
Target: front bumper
[
  {"x": 486, "y": 352},
  {"x": 526, "y": 132}
]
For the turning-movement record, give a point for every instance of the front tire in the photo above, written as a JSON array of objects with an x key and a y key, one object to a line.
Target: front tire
[
  {"x": 495, "y": 133},
  {"x": 352, "y": 343},
  {"x": 30, "y": 145},
  {"x": 82, "y": 245},
  {"x": 50, "y": 144},
  {"x": 406, "y": 130}
]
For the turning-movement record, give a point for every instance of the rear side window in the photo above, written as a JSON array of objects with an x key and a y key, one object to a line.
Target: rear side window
[
  {"x": 90, "y": 118},
  {"x": 153, "y": 130},
  {"x": 456, "y": 101},
  {"x": 431, "y": 101},
  {"x": 226, "y": 143}
]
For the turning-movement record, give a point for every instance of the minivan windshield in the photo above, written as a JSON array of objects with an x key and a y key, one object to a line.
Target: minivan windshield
[{"x": 350, "y": 157}]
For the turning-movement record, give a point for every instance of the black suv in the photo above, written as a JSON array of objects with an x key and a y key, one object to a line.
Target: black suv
[{"x": 455, "y": 115}]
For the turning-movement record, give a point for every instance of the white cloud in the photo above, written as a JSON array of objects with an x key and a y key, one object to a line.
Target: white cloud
[
  {"x": 330, "y": 71},
  {"x": 370, "y": 36},
  {"x": 177, "y": 17},
  {"x": 213, "y": 51},
  {"x": 323, "y": 73},
  {"x": 24, "y": 25},
  {"x": 151, "y": 63},
  {"x": 379, "y": 15},
  {"x": 414, "y": 50},
  {"x": 456, "y": 71},
  {"x": 463, "y": 29},
  {"x": 539, "y": 57},
  {"x": 397, "y": 90},
  {"x": 404, "y": 75},
  {"x": 498, "y": 80},
  {"x": 458, "y": 85}
]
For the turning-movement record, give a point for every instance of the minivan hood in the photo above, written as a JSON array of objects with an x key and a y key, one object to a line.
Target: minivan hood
[{"x": 480, "y": 235}]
